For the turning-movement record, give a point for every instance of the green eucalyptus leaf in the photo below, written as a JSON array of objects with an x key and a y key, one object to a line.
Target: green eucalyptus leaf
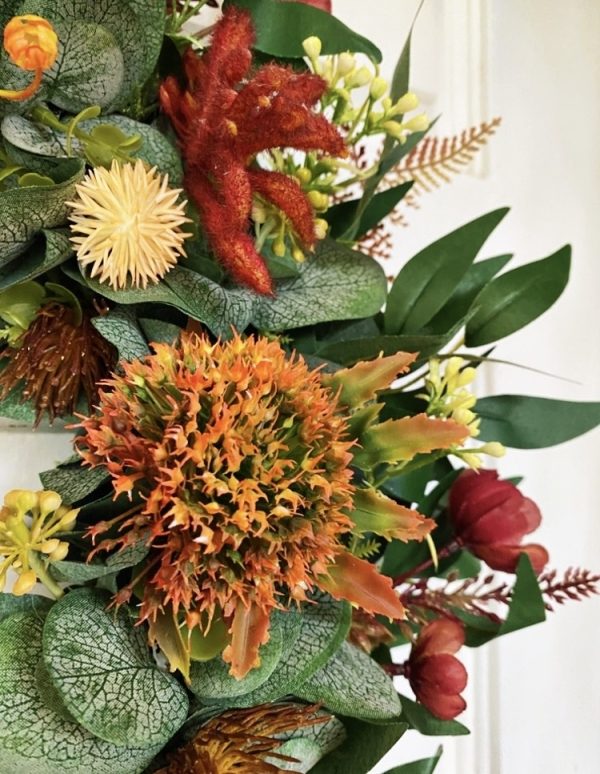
[
  {"x": 282, "y": 27},
  {"x": 310, "y": 637},
  {"x": 351, "y": 683},
  {"x": 528, "y": 422},
  {"x": 211, "y": 681},
  {"x": 457, "y": 308},
  {"x": 121, "y": 328},
  {"x": 23, "y": 212},
  {"x": 336, "y": 283},
  {"x": 32, "y": 604},
  {"x": 34, "y": 738},
  {"x": 513, "y": 300},
  {"x": 419, "y": 718},
  {"x": 74, "y": 482},
  {"x": 100, "y": 664},
  {"x": 49, "y": 249},
  {"x": 429, "y": 279},
  {"x": 83, "y": 572},
  {"x": 365, "y": 746},
  {"x": 308, "y": 745}
]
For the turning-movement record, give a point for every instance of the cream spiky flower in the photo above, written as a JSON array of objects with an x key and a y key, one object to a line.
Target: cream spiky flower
[{"x": 126, "y": 222}]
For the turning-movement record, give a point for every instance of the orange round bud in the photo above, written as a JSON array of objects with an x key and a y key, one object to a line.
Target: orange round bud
[{"x": 31, "y": 42}]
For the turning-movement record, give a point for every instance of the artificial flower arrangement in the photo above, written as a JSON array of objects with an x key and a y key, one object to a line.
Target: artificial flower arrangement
[{"x": 279, "y": 465}]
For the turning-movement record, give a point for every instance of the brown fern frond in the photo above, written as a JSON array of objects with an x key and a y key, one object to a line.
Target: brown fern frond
[
  {"x": 576, "y": 584},
  {"x": 435, "y": 160}
]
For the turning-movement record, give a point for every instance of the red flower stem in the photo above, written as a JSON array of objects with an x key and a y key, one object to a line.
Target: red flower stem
[
  {"x": 451, "y": 548},
  {"x": 397, "y": 670}
]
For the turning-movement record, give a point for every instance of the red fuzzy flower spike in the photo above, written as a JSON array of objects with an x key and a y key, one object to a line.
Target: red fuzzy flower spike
[
  {"x": 436, "y": 676},
  {"x": 224, "y": 121},
  {"x": 491, "y": 518}
]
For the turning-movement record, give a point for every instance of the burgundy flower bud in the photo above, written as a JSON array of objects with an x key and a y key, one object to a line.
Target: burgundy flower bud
[
  {"x": 491, "y": 518},
  {"x": 436, "y": 676}
]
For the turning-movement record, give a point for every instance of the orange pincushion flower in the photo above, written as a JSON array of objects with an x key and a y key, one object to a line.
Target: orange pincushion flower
[
  {"x": 243, "y": 740},
  {"x": 222, "y": 127},
  {"x": 32, "y": 44},
  {"x": 242, "y": 457}
]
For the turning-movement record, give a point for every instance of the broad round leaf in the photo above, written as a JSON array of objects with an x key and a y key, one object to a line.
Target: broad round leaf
[
  {"x": 101, "y": 666},
  {"x": 34, "y": 737}
]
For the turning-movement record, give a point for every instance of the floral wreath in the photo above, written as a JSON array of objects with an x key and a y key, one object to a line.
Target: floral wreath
[{"x": 278, "y": 469}]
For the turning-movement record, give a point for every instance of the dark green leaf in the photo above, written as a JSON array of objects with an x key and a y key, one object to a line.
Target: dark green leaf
[
  {"x": 96, "y": 658},
  {"x": 457, "y": 308},
  {"x": 429, "y": 279},
  {"x": 514, "y": 299},
  {"x": 74, "y": 482},
  {"x": 282, "y": 28},
  {"x": 365, "y": 746},
  {"x": 527, "y": 422},
  {"x": 527, "y": 606},
  {"x": 28, "y": 603},
  {"x": 378, "y": 208},
  {"x": 158, "y": 331},
  {"x": 427, "y": 724},
  {"x": 423, "y": 766},
  {"x": 351, "y": 351},
  {"x": 49, "y": 249},
  {"x": 335, "y": 283},
  {"x": 351, "y": 683}
]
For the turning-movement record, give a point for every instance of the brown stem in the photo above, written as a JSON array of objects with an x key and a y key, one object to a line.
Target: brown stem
[{"x": 451, "y": 548}]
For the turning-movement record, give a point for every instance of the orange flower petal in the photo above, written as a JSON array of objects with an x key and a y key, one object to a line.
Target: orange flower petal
[{"x": 250, "y": 630}]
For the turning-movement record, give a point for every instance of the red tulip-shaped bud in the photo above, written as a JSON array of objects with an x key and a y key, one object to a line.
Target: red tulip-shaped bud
[
  {"x": 491, "y": 517},
  {"x": 436, "y": 676}
]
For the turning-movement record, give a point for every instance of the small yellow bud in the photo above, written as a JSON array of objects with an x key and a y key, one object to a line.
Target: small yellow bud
[
  {"x": 472, "y": 460},
  {"x": 346, "y": 63},
  {"x": 419, "y": 123},
  {"x": 321, "y": 228},
  {"x": 492, "y": 449},
  {"x": 463, "y": 416},
  {"x": 312, "y": 47},
  {"x": 278, "y": 248},
  {"x": 259, "y": 212},
  {"x": 466, "y": 376},
  {"x": 298, "y": 255},
  {"x": 21, "y": 500},
  {"x": 394, "y": 129},
  {"x": 360, "y": 77},
  {"x": 379, "y": 87},
  {"x": 68, "y": 520},
  {"x": 406, "y": 103},
  {"x": 48, "y": 546},
  {"x": 49, "y": 502},
  {"x": 386, "y": 104},
  {"x": 304, "y": 175},
  {"x": 24, "y": 583},
  {"x": 453, "y": 366},
  {"x": 59, "y": 552},
  {"x": 319, "y": 200}
]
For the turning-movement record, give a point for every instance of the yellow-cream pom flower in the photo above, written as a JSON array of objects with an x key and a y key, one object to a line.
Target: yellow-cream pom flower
[
  {"x": 126, "y": 224},
  {"x": 32, "y": 44}
]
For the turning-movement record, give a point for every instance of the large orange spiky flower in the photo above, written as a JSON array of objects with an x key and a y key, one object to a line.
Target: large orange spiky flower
[
  {"x": 242, "y": 457},
  {"x": 243, "y": 740},
  {"x": 222, "y": 126}
]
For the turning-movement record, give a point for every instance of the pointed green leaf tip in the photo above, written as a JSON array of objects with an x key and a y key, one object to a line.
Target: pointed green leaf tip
[
  {"x": 34, "y": 736},
  {"x": 95, "y": 658}
]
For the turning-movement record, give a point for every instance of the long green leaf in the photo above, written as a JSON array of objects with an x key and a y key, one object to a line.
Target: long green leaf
[
  {"x": 379, "y": 208},
  {"x": 429, "y": 279},
  {"x": 423, "y": 766},
  {"x": 527, "y": 422},
  {"x": 365, "y": 746},
  {"x": 418, "y": 717},
  {"x": 514, "y": 299},
  {"x": 282, "y": 27}
]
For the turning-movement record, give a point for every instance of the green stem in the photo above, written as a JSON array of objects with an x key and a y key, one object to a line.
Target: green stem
[{"x": 37, "y": 566}]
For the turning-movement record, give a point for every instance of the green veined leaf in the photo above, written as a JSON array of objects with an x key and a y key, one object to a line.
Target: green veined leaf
[
  {"x": 336, "y": 283},
  {"x": 34, "y": 737},
  {"x": 429, "y": 279},
  {"x": 50, "y": 248},
  {"x": 365, "y": 746},
  {"x": 74, "y": 482},
  {"x": 518, "y": 297},
  {"x": 95, "y": 657},
  {"x": 457, "y": 308},
  {"x": 28, "y": 603},
  {"x": 527, "y": 422},
  {"x": 352, "y": 684},
  {"x": 418, "y": 717},
  {"x": 308, "y": 745},
  {"x": 282, "y": 27},
  {"x": 82, "y": 572},
  {"x": 121, "y": 328}
]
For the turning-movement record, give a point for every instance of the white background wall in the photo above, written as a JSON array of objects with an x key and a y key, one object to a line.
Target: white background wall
[{"x": 534, "y": 696}]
